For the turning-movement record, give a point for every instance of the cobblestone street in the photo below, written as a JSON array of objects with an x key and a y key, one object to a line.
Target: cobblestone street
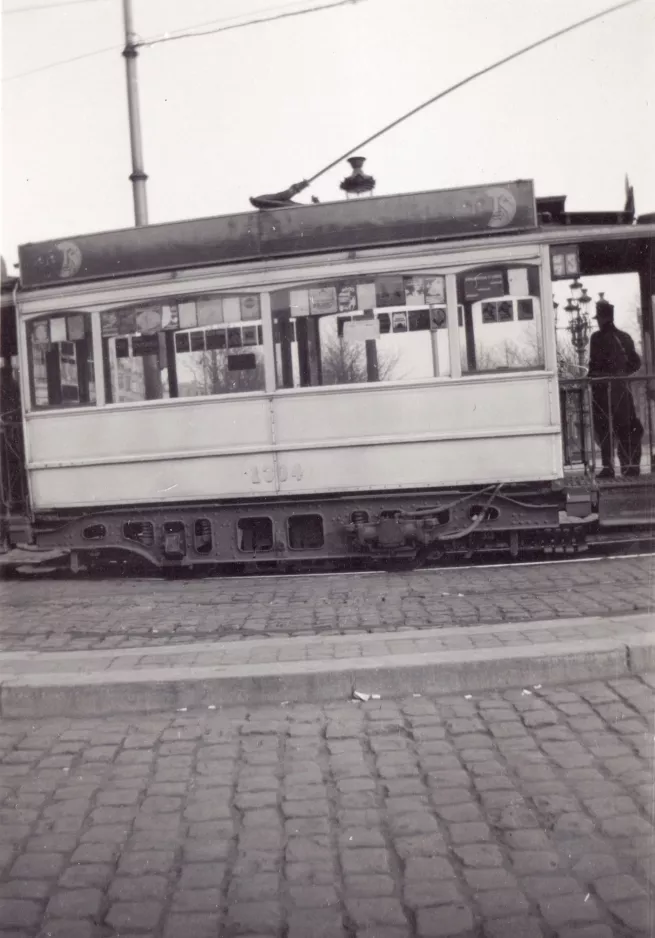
[
  {"x": 522, "y": 814},
  {"x": 83, "y": 614}
]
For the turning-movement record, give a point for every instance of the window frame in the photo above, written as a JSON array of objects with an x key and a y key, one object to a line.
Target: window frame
[
  {"x": 171, "y": 346},
  {"x": 28, "y": 385},
  {"x": 544, "y": 313}
]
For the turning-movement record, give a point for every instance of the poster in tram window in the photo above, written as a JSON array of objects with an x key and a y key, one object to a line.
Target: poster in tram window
[
  {"x": 399, "y": 322},
  {"x": 484, "y": 285},
  {"x": 249, "y": 335},
  {"x": 366, "y": 296},
  {"x": 505, "y": 311},
  {"x": 323, "y": 301},
  {"x": 347, "y": 297},
  {"x": 231, "y": 309},
  {"x": 361, "y": 330},
  {"x": 148, "y": 320},
  {"x": 41, "y": 333},
  {"x": 250, "y": 307},
  {"x": 390, "y": 291},
  {"x": 419, "y": 320},
  {"x": 299, "y": 302},
  {"x": 109, "y": 324},
  {"x": 170, "y": 318},
  {"x": 489, "y": 313},
  {"x": 209, "y": 310},
  {"x": 145, "y": 345},
  {"x": 414, "y": 291},
  {"x": 517, "y": 281},
  {"x": 118, "y": 322},
  {"x": 438, "y": 318},
  {"x": 188, "y": 317},
  {"x": 58, "y": 331},
  {"x": 435, "y": 290},
  {"x": 75, "y": 328}
]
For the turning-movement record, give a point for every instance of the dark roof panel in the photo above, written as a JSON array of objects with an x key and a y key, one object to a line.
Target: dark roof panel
[{"x": 282, "y": 232}]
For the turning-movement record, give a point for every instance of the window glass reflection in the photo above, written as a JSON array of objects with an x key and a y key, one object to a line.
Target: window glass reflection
[
  {"x": 392, "y": 328},
  {"x": 502, "y": 328}
]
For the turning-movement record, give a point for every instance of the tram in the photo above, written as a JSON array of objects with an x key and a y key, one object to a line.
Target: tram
[{"x": 372, "y": 379}]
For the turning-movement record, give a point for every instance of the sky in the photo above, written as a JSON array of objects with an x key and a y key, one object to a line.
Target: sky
[{"x": 236, "y": 114}]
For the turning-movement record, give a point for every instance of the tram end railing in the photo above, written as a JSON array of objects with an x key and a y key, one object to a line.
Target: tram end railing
[{"x": 608, "y": 426}]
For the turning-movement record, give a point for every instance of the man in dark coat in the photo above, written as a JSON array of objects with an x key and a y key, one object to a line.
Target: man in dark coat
[{"x": 612, "y": 353}]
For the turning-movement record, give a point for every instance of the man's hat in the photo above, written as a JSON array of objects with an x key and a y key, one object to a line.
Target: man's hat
[{"x": 604, "y": 309}]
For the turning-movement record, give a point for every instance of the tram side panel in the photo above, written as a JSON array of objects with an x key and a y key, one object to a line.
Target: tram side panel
[{"x": 366, "y": 440}]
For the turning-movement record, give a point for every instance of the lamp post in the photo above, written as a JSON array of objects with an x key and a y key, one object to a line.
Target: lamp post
[{"x": 579, "y": 325}]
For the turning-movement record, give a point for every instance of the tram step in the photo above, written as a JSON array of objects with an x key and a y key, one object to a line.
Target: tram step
[{"x": 30, "y": 557}]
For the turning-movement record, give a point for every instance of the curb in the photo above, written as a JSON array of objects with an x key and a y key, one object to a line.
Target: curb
[{"x": 120, "y": 691}]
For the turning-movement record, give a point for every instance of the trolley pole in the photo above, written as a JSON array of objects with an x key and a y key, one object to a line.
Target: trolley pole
[{"x": 138, "y": 177}]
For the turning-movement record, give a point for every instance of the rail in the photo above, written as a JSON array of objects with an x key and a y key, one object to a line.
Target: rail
[{"x": 607, "y": 425}]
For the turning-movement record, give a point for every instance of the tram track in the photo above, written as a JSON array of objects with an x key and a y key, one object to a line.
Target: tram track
[{"x": 98, "y": 612}]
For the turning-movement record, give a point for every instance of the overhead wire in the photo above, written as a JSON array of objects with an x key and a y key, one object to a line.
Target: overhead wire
[
  {"x": 171, "y": 37},
  {"x": 467, "y": 80},
  {"x": 156, "y": 40},
  {"x": 224, "y": 19},
  {"x": 74, "y": 58}
]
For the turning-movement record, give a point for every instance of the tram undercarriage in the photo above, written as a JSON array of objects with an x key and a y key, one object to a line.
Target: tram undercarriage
[{"x": 409, "y": 528}]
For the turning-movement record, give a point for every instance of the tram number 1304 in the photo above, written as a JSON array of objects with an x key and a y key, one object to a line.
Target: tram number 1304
[{"x": 260, "y": 474}]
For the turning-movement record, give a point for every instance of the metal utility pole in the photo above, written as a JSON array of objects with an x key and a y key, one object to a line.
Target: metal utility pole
[
  {"x": 152, "y": 378},
  {"x": 138, "y": 177}
]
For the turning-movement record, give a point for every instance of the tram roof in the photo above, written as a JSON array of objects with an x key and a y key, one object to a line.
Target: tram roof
[{"x": 295, "y": 230}]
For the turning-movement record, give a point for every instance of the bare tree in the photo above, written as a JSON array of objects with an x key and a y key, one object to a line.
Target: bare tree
[
  {"x": 211, "y": 375},
  {"x": 344, "y": 362},
  {"x": 528, "y": 353},
  {"x": 568, "y": 363}
]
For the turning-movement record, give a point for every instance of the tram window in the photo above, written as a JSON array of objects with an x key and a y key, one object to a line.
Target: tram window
[
  {"x": 502, "y": 328},
  {"x": 137, "y": 350},
  {"x": 221, "y": 350},
  {"x": 390, "y": 328},
  {"x": 184, "y": 347},
  {"x": 62, "y": 370},
  {"x": 136, "y": 367}
]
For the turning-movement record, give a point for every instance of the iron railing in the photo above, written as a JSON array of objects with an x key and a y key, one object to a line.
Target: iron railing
[{"x": 597, "y": 414}]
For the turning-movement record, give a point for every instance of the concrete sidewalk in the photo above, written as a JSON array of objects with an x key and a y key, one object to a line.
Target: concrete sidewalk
[{"x": 324, "y": 668}]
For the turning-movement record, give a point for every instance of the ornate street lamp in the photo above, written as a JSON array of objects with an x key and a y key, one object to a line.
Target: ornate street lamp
[{"x": 579, "y": 325}]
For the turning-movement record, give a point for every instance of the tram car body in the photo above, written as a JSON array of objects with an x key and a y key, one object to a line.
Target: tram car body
[{"x": 373, "y": 378}]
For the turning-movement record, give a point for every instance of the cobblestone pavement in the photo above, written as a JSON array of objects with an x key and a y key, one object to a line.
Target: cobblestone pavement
[
  {"x": 83, "y": 614},
  {"x": 522, "y": 814}
]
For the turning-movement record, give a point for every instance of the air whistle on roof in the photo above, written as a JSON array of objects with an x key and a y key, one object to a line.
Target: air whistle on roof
[{"x": 358, "y": 182}]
